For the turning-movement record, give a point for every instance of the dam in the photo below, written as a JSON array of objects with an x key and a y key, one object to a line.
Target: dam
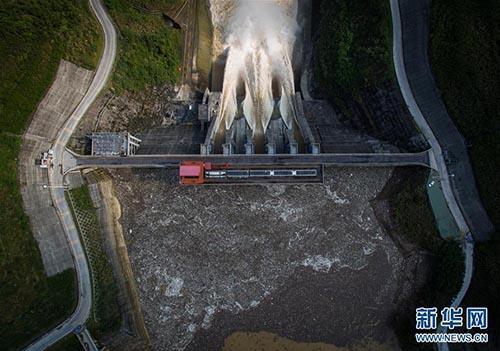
[
  {"x": 257, "y": 110},
  {"x": 251, "y": 108}
]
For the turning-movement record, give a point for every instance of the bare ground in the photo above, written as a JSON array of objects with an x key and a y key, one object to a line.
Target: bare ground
[{"x": 309, "y": 262}]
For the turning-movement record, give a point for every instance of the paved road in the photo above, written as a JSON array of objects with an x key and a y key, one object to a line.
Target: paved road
[
  {"x": 457, "y": 300},
  {"x": 410, "y": 39},
  {"x": 415, "y": 28},
  {"x": 401, "y": 73},
  {"x": 56, "y": 181},
  {"x": 86, "y": 340},
  {"x": 469, "y": 265},
  {"x": 157, "y": 161}
]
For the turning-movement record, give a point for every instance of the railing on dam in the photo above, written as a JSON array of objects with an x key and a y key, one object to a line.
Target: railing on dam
[{"x": 74, "y": 161}]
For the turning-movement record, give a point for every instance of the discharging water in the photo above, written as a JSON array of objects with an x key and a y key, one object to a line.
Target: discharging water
[{"x": 258, "y": 38}]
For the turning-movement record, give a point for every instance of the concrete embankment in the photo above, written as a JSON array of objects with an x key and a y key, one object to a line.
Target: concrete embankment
[
  {"x": 133, "y": 332},
  {"x": 66, "y": 92}
]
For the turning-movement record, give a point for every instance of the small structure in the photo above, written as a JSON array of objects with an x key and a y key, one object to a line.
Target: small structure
[
  {"x": 114, "y": 144},
  {"x": 209, "y": 107},
  {"x": 199, "y": 172},
  {"x": 203, "y": 112},
  {"x": 47, "y": 159},
  {"x": 192, "y": 172}
]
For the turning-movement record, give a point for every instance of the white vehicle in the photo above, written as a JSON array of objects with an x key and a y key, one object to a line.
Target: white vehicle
[{"x": 47, "y": 159}]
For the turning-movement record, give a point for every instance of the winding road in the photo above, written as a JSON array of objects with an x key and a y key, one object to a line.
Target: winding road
[
  {"x": 76, "y": 322},
  {"x": 417, "y": 32}
]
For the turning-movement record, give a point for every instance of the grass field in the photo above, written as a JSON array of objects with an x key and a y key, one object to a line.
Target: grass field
[
  {"x": 149, "y": 50},
  {"x": 465, "y": 58},
  {"x": 34, "y": 36},
  {"x": 353, "y": 47},
  {"x": 106, "y": 315}
]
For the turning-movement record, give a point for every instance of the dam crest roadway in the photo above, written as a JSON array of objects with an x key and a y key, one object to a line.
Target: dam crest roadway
[{"x": 73, "y": 162}]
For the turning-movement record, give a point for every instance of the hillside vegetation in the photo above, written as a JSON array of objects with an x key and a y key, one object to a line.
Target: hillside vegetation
[
  {"x": 34, "y": 36},
  {"x": 416, "y": 225},
  {"x": 353, "y": 47},
  {"x": 149, "y": 50},
  {"x": 68, "y": 343},
  {"x": 465, "y": 58}
]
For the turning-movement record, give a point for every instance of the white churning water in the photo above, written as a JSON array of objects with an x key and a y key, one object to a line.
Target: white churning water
[{"x": 258, "y": 38}]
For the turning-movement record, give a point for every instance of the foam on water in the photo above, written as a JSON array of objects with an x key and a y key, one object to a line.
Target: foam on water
[{"x": 258, "y": 38}]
